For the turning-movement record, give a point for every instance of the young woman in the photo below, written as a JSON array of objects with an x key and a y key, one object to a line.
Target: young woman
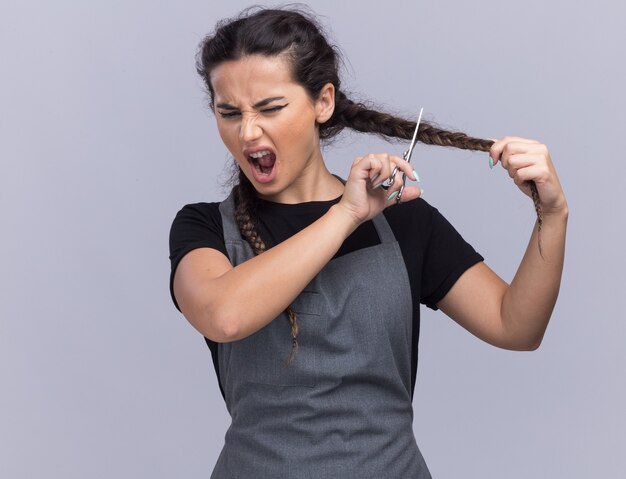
[{"x": 307, "y": 287}]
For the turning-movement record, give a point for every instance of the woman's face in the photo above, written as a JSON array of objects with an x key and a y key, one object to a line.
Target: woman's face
[{"x": 269, "y": 123}]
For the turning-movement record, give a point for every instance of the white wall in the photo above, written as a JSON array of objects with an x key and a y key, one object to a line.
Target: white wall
[{"x": 105, "y": 135}]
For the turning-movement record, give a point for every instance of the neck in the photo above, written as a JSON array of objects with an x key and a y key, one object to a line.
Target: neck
[{"x": 315, "y": 183}]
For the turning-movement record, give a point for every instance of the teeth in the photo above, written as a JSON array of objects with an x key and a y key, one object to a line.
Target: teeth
[{"x": 259, "y": 154}]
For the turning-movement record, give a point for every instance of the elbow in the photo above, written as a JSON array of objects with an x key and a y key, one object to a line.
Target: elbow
[
  {"x": 534, "y": 346},
  {"x": 518, "y": 343},
  {"x": 531, "y": 344},
  {"x": 518, "y": 338},
  {"x": 228, "y": 329},
  {"x": 531, "y": 347},
  {"x": 535, "y": 342},
  {"x": 225, "y": 327},
  {"x": 217, "y": 323}
]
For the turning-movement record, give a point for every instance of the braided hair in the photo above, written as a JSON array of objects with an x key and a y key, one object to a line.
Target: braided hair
[{"x": 314, "y": 63}]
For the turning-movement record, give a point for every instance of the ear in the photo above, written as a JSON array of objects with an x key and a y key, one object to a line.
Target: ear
[{"x": 325, "y": 104}]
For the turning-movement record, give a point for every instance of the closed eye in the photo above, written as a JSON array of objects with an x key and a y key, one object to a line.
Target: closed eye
[
  {"x": 234, "y": 113},
  {"x": 274, "y": 108},
  {"x": 229, "y": 114}
]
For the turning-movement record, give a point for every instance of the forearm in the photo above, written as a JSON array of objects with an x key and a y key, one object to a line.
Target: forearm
[
  {"x": 255, "y": 292},
  {"x": 529, "y": 301}
]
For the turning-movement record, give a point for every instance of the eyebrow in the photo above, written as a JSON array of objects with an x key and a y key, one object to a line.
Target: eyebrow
[{"x": 259, "y": 104}]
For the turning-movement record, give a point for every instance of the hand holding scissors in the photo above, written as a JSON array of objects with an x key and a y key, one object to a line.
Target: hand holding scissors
[{"x": 365, "y": 203}]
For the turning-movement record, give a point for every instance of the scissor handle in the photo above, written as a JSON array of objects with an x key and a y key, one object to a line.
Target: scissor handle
[
  {"x": 399, "y": 196},
  {"x": 391, "y": 180}
]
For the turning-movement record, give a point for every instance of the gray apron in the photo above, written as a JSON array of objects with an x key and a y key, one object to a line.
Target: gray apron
[{"x": 343, "y": 407}]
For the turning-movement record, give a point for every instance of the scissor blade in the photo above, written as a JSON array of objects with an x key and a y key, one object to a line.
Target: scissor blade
[{"x": 417, "y": 127}]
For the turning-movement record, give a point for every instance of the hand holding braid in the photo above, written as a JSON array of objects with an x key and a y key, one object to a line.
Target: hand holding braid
[{"x": 528, "y": 162}]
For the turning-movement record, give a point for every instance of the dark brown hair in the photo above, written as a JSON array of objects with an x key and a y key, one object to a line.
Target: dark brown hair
[{"x": 314, "y": 63}]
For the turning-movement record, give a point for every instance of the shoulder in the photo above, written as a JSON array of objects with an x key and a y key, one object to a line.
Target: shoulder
[
  {"x": 196, "y": 225},
  {"x": 197, "y": 215},
  {"x": 418, "y": 219},
  {"x": 200, "y": 211},
  {"x": 418, "y": 209},
  {"x": 193, "y": 223},
  {"x": 411, "y": 221}
]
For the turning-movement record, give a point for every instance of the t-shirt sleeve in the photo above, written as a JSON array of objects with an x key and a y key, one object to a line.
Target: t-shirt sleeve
[
  {"x": 446, "y": 257},
  {"x": 197, "y": 225}
]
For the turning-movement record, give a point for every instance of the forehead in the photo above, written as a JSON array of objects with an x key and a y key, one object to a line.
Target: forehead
[{"x": 251, "y": 79}]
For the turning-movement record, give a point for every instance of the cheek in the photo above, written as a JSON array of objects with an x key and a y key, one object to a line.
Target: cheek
[
  {"x": 299, "y": 130},
  {"x": 229, "y": 135}
]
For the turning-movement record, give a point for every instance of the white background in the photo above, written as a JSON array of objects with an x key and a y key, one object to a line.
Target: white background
[{"x": 105, "y": 135}]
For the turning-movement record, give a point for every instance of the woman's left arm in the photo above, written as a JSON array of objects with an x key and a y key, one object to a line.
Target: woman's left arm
[{"x": 516, "y": 316}]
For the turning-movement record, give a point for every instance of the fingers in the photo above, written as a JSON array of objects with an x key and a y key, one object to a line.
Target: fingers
[
  {"x": 368, "y": 167},
  {"x": 523, "y": 176},
  {"x": 529, "y": 162},
  {"x": 379, "y": 168},
  {"x": 533, "y": 172},
  {"x": 385, "y": 166},
  {"x": 515, "y": 153},
  {"x": 514, "y": 163},
  {"x": 410, "y": 193},
  {"x": 394, "y": 182},
  {"x": 396, "y": 187},
  {"x": 502, "y": 149},
  {"x": 383, "y": 177}
]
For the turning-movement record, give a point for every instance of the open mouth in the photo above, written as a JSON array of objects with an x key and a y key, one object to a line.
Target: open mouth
[{"x": 262, "y": 161}]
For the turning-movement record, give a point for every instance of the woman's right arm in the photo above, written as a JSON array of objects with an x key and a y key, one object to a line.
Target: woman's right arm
[{"x": 226, "y": 303}]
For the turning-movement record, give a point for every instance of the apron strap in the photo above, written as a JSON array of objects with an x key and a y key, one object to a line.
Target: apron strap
[
  {"x": 383, "y": 229},
  {"x": 380, "y": 223},
  {"x": 229, "y": 225}
]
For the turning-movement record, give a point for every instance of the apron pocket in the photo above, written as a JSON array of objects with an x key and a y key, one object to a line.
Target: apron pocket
[{"x": 262, "y": 357}]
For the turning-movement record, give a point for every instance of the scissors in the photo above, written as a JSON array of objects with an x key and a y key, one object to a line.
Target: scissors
[{"x": 407, "y": 157}]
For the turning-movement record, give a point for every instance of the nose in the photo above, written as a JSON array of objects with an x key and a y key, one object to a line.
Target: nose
[{"x": 250, "y": 130}]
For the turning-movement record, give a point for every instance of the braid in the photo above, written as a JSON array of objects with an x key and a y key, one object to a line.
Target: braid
[
  {"x": 245, "y": 209},
  {"x": 360, "y": 117},
  {"x": 245, "y": 212}
]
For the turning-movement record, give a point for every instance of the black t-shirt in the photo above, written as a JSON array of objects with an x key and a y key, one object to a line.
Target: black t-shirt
[{"x": 434, "y": 253}]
